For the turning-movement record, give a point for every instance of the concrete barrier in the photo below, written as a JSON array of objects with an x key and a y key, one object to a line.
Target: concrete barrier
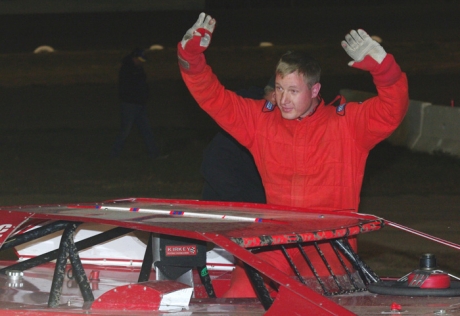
[
  {"x": 409, "y": 132},
  {"x": 440, "y": 130},
  {"x": 426, "y": 127}
]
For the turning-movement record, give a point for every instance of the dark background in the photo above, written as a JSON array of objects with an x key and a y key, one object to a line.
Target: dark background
[
  {"x": 59, "y": 112},
  {"x": 412, "y": 27}
]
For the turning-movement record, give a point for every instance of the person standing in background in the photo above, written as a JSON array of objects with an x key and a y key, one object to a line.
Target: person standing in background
[{"x": 133, "y": 92}]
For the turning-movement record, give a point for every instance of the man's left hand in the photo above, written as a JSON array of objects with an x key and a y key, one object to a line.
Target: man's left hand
[{"x": 366, "y": 53}]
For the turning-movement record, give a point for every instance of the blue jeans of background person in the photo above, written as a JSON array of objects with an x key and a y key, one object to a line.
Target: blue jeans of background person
[{"x": 135, "y": 114}]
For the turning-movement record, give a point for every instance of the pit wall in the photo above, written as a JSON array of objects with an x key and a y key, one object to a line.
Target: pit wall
[{"x": 425, "y": 128}]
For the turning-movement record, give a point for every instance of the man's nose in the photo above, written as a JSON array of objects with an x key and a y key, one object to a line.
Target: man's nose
[{"x": 283, "y": 98}]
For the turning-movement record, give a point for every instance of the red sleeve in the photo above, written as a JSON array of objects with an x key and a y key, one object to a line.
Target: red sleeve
[
  {"x": 376, "y": 118},
  {"x": 234, "y": 114}
]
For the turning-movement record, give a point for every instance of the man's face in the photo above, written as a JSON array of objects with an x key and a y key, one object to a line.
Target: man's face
[{"x": 293, "y": 96}]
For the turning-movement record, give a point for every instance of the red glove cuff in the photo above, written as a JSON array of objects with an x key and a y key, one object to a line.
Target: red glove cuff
[
  {"x": 190, "y": 62},
  {"x": 387, "y": 73},
  {"x": 191, "y": 59}
]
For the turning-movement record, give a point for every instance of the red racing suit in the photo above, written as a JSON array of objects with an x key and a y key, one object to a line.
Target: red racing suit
[{"x": 317, "y": 162}]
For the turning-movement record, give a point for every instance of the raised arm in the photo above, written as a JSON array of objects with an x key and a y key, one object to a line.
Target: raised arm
[
  {"x": 232, "y": 112},
  {"x": 376, "y": 118}
]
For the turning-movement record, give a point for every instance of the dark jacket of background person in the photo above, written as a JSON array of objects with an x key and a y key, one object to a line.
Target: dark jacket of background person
[
  {"x": 132, "y": 82},
  {"x": 228, "y": 168},
  {"x": 134, "y": 92}
]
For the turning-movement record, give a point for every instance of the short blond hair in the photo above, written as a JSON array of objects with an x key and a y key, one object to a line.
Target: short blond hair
[{"x": 302, "y": 63}]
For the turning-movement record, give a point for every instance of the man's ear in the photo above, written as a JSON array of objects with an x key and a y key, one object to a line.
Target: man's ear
[
  {"x": 273, "y": 97},
  {"x": 315, "y": 90}
]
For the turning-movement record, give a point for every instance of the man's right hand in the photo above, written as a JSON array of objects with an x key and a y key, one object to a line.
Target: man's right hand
[{"x": 194, "y": 43}]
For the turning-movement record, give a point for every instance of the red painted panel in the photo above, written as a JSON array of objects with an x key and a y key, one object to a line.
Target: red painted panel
[
  {"x": 144, "y": 296},
  {"x": 9, "y": 222}
]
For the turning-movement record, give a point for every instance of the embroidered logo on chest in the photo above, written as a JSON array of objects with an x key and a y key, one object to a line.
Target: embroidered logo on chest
[
  {"x": 269, "y": 106},
  {"x": 341, "y": 108}
]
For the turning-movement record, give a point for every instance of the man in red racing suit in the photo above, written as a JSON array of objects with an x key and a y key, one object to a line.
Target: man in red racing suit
[{"x": 308, "y": 154}]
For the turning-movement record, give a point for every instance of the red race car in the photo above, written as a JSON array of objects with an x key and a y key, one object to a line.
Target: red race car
[{"x": 141, "y": 256}]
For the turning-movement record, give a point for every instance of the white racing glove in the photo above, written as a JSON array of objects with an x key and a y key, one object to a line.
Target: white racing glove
[
  {"x": 366, "y": 53},
  {"x": 194, "y": 43},
  {"x": 203, "y": 24}
]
